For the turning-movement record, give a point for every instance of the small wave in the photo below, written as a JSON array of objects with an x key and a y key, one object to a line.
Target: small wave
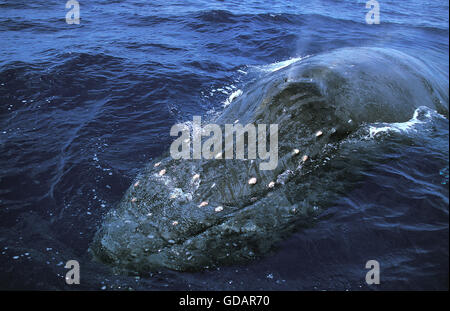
[
  {"x": 421, "y": 115},
  {"x": 216, "y": 16},
  {"x": 280, "y": 65},
  {"x": 233, "y": 95}
]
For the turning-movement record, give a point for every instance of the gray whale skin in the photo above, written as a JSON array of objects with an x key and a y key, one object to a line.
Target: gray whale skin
[{"x": 158, "y": 223}]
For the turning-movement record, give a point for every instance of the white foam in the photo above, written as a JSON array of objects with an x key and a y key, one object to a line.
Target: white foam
[
  {"x": 421, "y": 115},
  {"x": 280, "y": 65},
  {"x": 233, "y": 95}
]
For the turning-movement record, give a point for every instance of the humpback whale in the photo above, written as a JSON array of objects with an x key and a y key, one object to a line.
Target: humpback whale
[{"x": 191, "y": 214}]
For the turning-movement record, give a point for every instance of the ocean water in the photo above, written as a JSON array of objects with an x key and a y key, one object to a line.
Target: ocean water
[{"x": 83, "y": 108}]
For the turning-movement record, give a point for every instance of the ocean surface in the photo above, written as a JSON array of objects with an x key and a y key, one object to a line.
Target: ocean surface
[{"x": 83, "y": 108}]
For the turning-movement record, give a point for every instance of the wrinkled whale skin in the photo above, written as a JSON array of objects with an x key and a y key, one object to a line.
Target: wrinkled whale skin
[{"x": 159, "y": 224}]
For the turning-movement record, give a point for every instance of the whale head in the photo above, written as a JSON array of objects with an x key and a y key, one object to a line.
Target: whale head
[{"x": 191, "y": 214}]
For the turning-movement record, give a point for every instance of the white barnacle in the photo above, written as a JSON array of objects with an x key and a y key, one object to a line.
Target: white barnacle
[
  {"x": 271, "y": 184},
  {"x": 295, "y": 151},
  {"x": 195, "y": 177},
  {"x": 162, "y": 172},
  {"x": 174, "y": 223},
  {"x": 136, "y": 184},
  {"x": 218, "y": 209},
  {"x": 252, "y": 181},
  {"x": 203, "y": 204},
  {"x": 157, "y": 164},
  {"x": 133, "y": 200},
  {"x": 305, "y": 158},
  {"x": 319, "y": 133}
]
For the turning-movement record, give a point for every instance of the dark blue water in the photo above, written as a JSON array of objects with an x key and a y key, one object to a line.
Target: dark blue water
[{"x": 84, "y": 107}]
